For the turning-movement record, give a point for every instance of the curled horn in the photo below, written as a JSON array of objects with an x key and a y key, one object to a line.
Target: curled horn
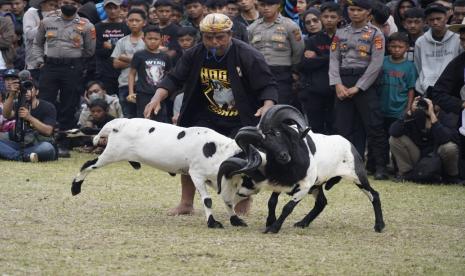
[
  {"x": 235, "y": 165},
  {"x": 228, "y": 168},
  {"x": 279, "y": 114},
  {"x": 248, "y": 136}
]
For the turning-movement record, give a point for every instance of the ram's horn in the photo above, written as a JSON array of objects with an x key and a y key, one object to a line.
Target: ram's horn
[
  {"x": 234, "y": 165},
  {"x": 248, "y": 136},
  {"x": 228, "y": 168},
  {"x": 279, "y": 114},
  {"x": 254, "y": 160}
]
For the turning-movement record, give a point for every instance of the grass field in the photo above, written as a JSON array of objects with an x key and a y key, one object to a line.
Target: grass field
[{"x": 118, "y": 225}]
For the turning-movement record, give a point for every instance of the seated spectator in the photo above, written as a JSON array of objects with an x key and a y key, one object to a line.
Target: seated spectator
[
  {"x": 424, "y": 132},
  {"x": 32, "y": 138},
  {"x": 96, "y": 90},
  {"x": 99, "y": 110}
]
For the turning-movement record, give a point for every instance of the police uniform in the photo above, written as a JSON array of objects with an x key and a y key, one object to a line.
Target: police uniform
[
  {"x": 356, "y": 59},
  {"x": 282, "y": 45},
  {"x": 67, "y": 42}
]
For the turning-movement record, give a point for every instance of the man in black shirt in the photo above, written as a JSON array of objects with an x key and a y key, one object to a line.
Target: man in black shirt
[
  {"x": 228, "y": 85},
  {"x": 108, "y": 32},
  {"x": 37, "y": 119}
]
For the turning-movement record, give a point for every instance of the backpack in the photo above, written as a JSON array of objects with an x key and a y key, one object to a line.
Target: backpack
[{"x": 427, "y": 170}]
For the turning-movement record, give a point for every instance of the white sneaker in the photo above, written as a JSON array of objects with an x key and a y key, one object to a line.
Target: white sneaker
[{"x": 33, "y": 157}]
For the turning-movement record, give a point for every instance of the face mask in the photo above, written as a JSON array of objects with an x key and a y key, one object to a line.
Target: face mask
[
  {"x": 95, "y": 96},
  {"x": 68, "y": 10}
]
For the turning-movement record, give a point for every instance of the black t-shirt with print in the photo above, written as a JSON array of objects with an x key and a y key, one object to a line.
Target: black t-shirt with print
[
  {"x": 151, "y": 69},
  {"x": 111, "y": 32},
  {"x": 215, "y": 86}
]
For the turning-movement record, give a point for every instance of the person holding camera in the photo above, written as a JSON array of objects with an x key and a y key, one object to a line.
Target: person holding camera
[
  {"x": 426, "y": 135},
  {"x": 32, "y": 138}
]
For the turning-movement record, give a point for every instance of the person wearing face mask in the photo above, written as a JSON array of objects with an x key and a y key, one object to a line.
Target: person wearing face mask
[
  {"x": 96, "y": 90},
  {"x": 69, "y": 40},
  {"x": 227, "y": 85},
  {"x": 31, "y": 22}
]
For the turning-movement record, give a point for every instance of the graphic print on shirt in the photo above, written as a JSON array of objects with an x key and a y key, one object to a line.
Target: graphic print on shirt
[
  {"x": 155, "y": 71},
  {"x": 217, "y": 90}
]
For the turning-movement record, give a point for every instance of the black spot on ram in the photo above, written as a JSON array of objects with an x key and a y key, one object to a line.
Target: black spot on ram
[
  {"x": 152, "y": 129},
  {"x": 209, "y": 149},
  {"x": 181, "y": 135}
]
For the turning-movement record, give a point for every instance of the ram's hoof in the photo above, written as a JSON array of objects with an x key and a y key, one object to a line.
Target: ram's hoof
[
  {"x": 270, "y": 221},
  {"x": 301, "y": 224},
  {"x": 212, "y": 223},
  {"x": 236, "y": 221},
  {"x": 273, "y": 229},
  {"x": 76, "y": 187},
  {"x": 379, "y": 227}
]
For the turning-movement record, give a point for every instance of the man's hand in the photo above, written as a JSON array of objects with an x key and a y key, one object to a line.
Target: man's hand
[
  {"x": 102, "y": 141},
  {"x": 107, "y": 44},
  {"x": 131, "y": 98},
  {"x": 352, "y": 91},
  {"x": 24, "y": 113},
  {"x": 262, "y": 110},
  {"x": 309, "y": 54},
  {"x": 154, "y": 105},
  {"x": 12, "y": 87},
  {"x": 431, "y": 113},
  {"x": 341, "y": 91}
]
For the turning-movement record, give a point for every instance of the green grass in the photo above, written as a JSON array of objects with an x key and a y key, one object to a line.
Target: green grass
[{"x": 118, "y": 225}]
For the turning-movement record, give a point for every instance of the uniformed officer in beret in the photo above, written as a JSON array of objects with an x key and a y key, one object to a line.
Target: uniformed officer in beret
[
  {"x": 280, "y": 40},
  {"x": 356, "y": 59},
  {"x": 69, "y": 39}
]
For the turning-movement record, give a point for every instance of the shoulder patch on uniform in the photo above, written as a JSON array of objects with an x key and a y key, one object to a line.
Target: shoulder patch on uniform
[
  {"x": 297, "y": 34},
  {"x": 334, "y": 43},
  {"x": 379, "y": 42}
]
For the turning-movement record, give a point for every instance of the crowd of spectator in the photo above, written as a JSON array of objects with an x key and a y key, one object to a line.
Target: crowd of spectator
[{"x": 387, "y": 75}]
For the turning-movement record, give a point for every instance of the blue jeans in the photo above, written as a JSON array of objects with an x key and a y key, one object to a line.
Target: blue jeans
[{"x": 10, "y": 150}]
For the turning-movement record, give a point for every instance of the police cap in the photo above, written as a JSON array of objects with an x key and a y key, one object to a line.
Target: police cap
[
  {"x": 364, "y": 4},
  {"x": 11, "y": 73}
]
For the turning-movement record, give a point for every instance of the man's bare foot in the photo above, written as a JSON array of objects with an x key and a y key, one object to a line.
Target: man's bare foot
[
  {"x": 181, "y": 209},
  {"x": 243, "y": 206}
]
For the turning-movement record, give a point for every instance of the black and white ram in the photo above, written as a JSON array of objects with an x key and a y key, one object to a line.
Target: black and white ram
[
  {"x": 196, "y": 151},
  {"x": 286, "y": 140}
]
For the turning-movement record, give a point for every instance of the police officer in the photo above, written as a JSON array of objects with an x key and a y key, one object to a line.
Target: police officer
[
  {"x": 356, "y": 58},
  {"x": 279, "y": 39},
  {"x": 69, "y": 39}
]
